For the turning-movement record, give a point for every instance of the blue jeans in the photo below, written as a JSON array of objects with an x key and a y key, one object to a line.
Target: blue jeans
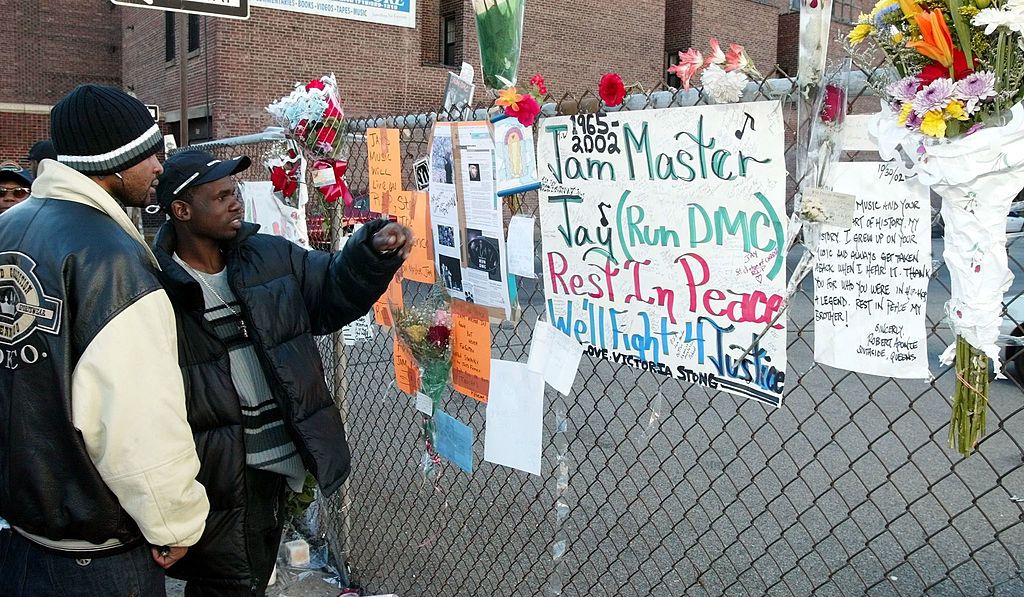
[{"x": 28, "y": 570}]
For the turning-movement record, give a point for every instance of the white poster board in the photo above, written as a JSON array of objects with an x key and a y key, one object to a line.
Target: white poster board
[
  {"x": 871, "y": 280},
  {"x": 274, "y": 217},
  {"x": 663, "y": 236}
]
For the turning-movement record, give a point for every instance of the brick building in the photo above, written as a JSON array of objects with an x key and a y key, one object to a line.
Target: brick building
[
  {"x": 235, "y": 68},
  {"x": 51, "y": 47}
]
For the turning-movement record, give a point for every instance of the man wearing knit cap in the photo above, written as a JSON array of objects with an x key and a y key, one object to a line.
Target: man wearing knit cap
[
  {"x": 99, "y": 467},
  {"x": 40, "y": 150}
]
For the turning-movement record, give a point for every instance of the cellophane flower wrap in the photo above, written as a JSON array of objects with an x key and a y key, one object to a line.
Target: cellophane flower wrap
[
  {"x": 313, "y": 118},
  {"x": 952, "y": 114},
  {"x": 499, "y": 31},
  {"x": 426, "y": 328}
]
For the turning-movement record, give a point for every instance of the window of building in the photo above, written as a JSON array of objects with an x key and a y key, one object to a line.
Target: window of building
[
  {"x": 449, "y": 41},
  {"x": 672, "y": 59},
  {"x": 843, "y": 11},
  {"x": 193, "y": 33},
  {"x": 169, "y": 36}
]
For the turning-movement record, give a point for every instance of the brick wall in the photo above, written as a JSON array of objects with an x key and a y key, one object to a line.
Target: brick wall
[
  {"x": 50, "y": 48},
  {"x": 751, "y": 23},
  {"x": 20, "y": 131},
  {"x": 56, "y": 46}
]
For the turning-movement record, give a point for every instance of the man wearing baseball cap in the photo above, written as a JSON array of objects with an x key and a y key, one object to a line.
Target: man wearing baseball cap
[
  {"x": 99, "y": 466},
  {"x": 249, "y": 305},
  {"x": 15, "y": 185}
]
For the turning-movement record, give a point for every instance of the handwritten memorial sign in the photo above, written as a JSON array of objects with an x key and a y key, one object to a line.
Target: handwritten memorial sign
[
  {"x": 385, "y": 160},
  {"x": 663, "y": 236},
  {"x": 871, "y": 280},
  {"x": 471, "y": 350}
]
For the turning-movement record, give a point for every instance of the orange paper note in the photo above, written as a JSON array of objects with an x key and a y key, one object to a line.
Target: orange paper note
[
  {"x": 385, "y": 160},
  {"x": 407, "y": 372},
  {"x": 381, "y": 312},
  {"x": 471, "y": 349},
  {"x": 419, "y": 266}
]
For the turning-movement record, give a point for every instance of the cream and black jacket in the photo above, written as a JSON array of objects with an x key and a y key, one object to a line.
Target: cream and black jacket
[{"x": 95, "y": 449}]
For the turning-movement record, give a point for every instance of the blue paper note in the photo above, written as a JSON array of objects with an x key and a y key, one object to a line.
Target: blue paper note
[{"x": 453, "y": 440}]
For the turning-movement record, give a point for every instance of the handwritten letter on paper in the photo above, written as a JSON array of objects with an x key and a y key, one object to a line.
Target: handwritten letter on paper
[
  {"x": 391, "y": 299},
  {"x": 871, "y": 281},
  {"x": 471, "y": 350}
]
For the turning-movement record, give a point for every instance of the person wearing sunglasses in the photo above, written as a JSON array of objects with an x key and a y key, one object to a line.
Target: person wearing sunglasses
[{"x": 15, "y": 185}]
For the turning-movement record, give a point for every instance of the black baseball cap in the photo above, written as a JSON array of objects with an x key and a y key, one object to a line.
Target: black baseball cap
[{"x": 191, "y": 168}]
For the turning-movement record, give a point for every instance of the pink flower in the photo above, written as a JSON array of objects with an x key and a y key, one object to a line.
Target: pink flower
[
  {"x": 538, "y": 82},
  {"x": 690, "y": 63},
  {"x": 736, "y": 58},
  {"x": 715, "y": 56},
  {"x": 611, "y": 89},
  {"x": 525, "y": 110},
  {"x": 314, "y": 84},
  {"x": 442, "y": 317}
]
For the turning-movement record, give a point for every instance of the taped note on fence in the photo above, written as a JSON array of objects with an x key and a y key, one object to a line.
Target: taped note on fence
[
  {"x": 871, "y": 281},
  {"x": 663, "y": 241}
]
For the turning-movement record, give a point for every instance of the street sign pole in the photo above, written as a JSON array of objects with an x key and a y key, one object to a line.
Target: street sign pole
[{"x": 183, "y": 69}]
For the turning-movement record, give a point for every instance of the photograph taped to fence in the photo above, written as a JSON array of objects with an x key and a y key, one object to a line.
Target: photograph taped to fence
[{"x": 663, "y": 238}]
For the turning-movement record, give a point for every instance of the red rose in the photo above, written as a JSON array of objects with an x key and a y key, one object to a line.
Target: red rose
[
  {"x": 283, "y": 183},
  {"x": 438, "y": 336},
  {"x": 315, "y": 84},
  {"x": 832, "y": 108},
  {"x": 936, "y": 71},
  {"x": 327, "y": 135},
  {"x": 612, "y": 90}
]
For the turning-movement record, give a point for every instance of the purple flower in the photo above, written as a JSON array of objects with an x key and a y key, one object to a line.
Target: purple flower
[
  {"x": 935, "y": 96},
  {"x": 976, "y": 87},
  {"x": 914, "y": 120},
  {"x": 905, "y": 89},
  {"x": 974, "y": 129}
]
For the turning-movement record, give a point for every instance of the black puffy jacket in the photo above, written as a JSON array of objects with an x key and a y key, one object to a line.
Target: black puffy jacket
[{"x": 287, "y": 295}]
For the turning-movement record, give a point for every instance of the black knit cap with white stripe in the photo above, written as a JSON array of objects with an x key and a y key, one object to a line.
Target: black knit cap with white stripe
[{"x": 99, "y": 130}]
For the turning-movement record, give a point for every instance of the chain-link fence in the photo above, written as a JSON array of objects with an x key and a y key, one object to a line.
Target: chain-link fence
[{"x": 650, "y": 487}]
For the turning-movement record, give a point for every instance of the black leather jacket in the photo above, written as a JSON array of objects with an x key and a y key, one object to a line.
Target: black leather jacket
[
  {"x": 66, "y": 270},
  {"x": 287, "y": 295}
]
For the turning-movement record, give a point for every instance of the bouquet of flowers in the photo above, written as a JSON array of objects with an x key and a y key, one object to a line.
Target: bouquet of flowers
[
  {"x": 426, "y": 329},
  {"x": 723, "y": 75},
  {"x": 313, "y": 118},
  {"x": 524, "y": 107},
  {"x": 953, "y": 112}
]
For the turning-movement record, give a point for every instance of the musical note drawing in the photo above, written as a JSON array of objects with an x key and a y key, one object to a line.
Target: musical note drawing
[
  {"x": 604, "y": 218},
  {"x": 750, "y": 121}
]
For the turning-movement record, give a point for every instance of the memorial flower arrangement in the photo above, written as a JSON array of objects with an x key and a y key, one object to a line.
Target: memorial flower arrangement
[
  {"x": 426, "y": 328},
  {"x": 723, "y": 75},
  {"x": 953, "y": 114},
  {"x": 313, "y": 118},
  {"x": 524, "y": 107}
]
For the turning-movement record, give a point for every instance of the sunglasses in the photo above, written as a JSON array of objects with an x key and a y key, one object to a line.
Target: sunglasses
[{"x": 18, "y": 193}]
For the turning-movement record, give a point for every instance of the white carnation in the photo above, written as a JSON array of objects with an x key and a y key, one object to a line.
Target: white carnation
[{"x": 723, "y": 87}]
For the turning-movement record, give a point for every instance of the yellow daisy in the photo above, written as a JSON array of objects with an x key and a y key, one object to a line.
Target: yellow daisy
[{"x": 934, "y": 124}]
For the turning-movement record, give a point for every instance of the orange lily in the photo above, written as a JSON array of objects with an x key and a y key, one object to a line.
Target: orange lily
[
  {"x": 509, "y": 98},
  {"x": 936, "y": 42}
]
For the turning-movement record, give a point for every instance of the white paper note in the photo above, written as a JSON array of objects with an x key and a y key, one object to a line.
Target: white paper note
[
  {"x": 424, "y": 404},
  {"x": 555, "y": 356},
  {"x": 521, "y": 247},
  {"x": 515, "y": 417}
]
